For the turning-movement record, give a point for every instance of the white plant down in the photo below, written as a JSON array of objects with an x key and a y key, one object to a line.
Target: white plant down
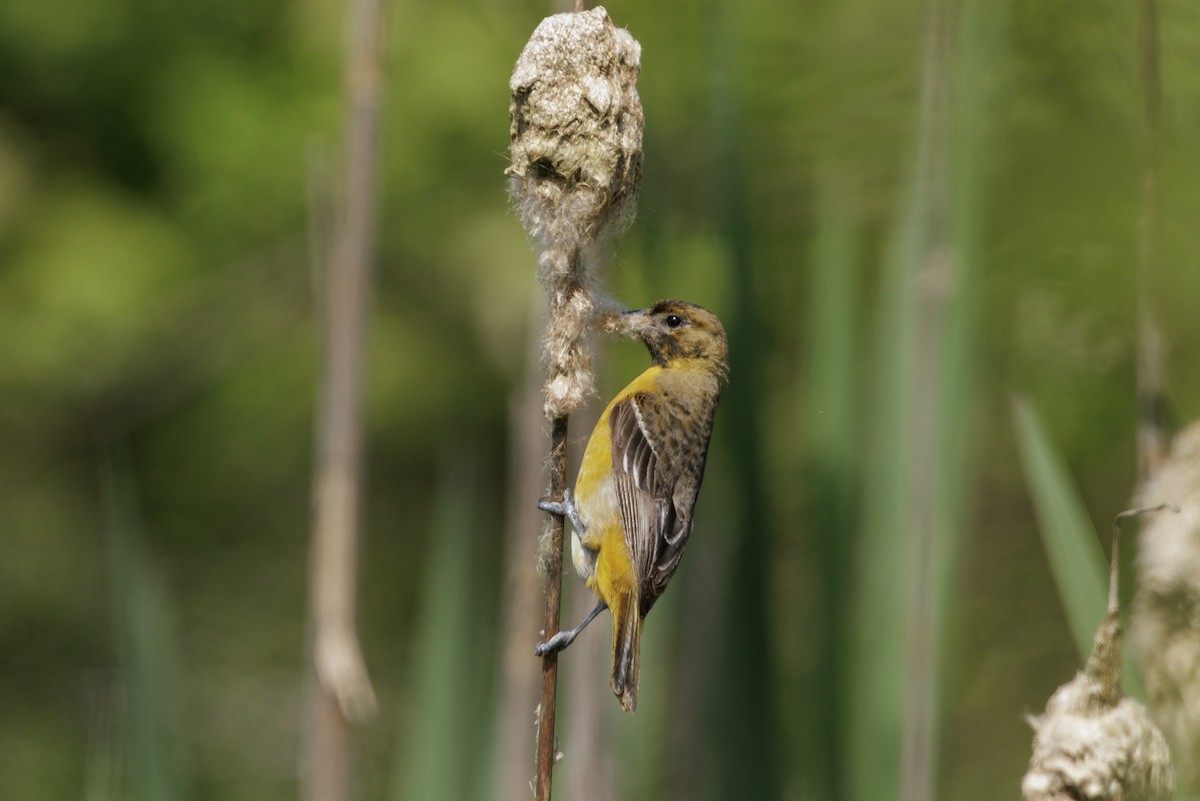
[{"x": 1165, "y": 620}]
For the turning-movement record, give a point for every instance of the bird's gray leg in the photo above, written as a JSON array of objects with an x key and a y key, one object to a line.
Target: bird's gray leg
[
  {"x": 566, "y": 508},
  {"x": 564, "y": 638}
]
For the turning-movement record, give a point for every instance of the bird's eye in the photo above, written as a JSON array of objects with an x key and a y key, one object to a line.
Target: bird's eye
[{"x": 674, "y": 321}]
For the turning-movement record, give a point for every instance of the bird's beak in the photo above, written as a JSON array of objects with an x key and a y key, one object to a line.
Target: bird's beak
[{"x": 634, "y": 321}]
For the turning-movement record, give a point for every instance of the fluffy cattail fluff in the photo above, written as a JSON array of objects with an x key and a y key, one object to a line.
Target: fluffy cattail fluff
[
  {"x": 1093, "y": 744},
  {"x": 576, "y": 152},
  {"x": 1165, "y": 621}
]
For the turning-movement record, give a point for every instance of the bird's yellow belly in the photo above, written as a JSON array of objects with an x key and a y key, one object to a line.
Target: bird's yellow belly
[
  {"x": 601, "y": 559},
  {"x": 600, "y": 554}
]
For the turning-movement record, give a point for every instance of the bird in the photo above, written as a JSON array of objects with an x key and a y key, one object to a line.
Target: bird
[{"x": 631, "y": 512}]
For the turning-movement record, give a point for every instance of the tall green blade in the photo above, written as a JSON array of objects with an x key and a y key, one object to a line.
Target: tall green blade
[
  {"x": 143, "y": 639},
  {"x": 440, "y": 725},
  {"x": 832, "y": 385},
  {"x": 1076, "y": 557}
]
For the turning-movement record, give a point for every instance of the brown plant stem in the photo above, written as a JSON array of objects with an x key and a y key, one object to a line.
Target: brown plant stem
[
  {"x": 1114, "y": 560},
  {"x": 341, "y": 691},
  {"x": 546, "y": 749}
]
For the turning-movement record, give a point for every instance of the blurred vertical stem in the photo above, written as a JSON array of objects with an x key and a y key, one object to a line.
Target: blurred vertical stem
[
  {"x": 918, "y": 482},
  {"x": 1151, "y": 439},
  {"x": 142, "y": 637},
  {"x": 935, "y": 269},
  {"x": 341, "y": 692},
  {"x": 510, "y": 768},
  {"x": 746, "y": 764}
]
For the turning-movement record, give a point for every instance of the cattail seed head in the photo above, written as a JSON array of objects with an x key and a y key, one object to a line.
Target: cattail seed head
[
  {"x": 1112, "y": 754},
  {"x": 576, "y": 160},
  {"x": 1092, "y": 743},
  {"x": 576, "y": 130}
]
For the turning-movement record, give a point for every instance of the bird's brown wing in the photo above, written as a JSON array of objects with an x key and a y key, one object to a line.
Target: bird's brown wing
[{"x": 658, "y": 462}]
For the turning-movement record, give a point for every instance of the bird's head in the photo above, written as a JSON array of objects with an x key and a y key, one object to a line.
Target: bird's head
[{"x": 675, "y": 331}]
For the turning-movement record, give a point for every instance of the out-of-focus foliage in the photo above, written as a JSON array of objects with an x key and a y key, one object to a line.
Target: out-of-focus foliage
[{"x": 161, "y": 168}]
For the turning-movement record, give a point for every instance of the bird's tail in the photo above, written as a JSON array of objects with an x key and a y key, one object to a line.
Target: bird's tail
[{"x": 626, "y": 649}]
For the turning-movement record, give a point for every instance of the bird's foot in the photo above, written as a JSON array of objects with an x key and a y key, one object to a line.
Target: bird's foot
[
  {"x": 564, "y": 638},
  {"x": 556, "y": 643},
  {"x": 564, "y": 508}
]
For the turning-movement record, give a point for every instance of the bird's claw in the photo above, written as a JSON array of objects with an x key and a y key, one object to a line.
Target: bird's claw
[
  {"x": 553, "y": 507},
  {"x": 564, "y": 508},
  {"x": 556, "y": 643}
]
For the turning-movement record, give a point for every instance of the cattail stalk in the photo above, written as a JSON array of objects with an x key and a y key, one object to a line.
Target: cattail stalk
[
  {"x": 576, "y": 153},
  {"x": 547, "y": 751}
]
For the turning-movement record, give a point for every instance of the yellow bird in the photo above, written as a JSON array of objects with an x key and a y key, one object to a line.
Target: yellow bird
[{"x": 641, "y": 472}]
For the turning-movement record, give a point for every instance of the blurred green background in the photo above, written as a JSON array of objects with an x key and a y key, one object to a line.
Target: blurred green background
[{"x": 158, "y": 350}]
